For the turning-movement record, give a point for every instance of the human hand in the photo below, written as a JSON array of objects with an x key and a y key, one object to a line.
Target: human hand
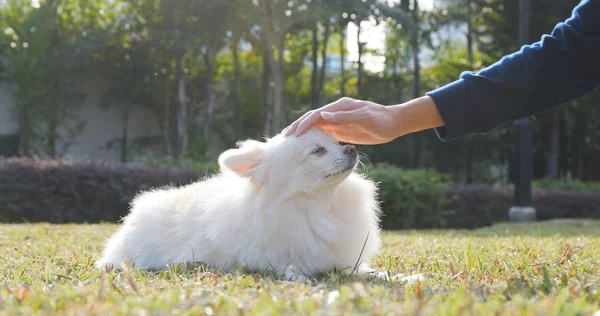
[
  {"x": 368, "y": 123},
  {"x": 351, "y": 121}
]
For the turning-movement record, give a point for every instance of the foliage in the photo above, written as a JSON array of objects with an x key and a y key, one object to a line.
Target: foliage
[
  {"x": 60, "y": 191},
  {"x": 64, "y": 191},
  {"x": 411, "y": 198},
  {"x": 184, "y": 162},
  {"x": 480, "y": 205},
  {"x": 46, "y": 46},
  {"x": 210, "y": 72},
  {"x": 547, "y": 268},
  {"x": 568, "y": 185}
]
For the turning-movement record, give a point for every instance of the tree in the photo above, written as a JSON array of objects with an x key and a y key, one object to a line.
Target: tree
[
  {"x": 212, "y": 15},
  {"x": 49, "y": 51},
  {"x": 278, "y": 18},
  {"x": 411, "y": 23}
]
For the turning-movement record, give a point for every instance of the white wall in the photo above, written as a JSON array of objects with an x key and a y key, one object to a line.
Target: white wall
[{"x": 102, "y": 125}]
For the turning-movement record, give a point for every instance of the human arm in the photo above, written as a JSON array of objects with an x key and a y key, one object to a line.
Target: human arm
[
  {"x": 368, "y": 123},
  {"x": 560, "y": 67}
]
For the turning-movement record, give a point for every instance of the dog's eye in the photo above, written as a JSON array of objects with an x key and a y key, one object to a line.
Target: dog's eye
[{"x": 319, "y": 151}]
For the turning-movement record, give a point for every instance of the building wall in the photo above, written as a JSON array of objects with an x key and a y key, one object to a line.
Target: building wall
[{"x": 103, "y": 125}]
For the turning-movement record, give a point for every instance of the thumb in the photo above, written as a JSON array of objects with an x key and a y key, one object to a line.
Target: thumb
[{"x": 341, "y": 117}]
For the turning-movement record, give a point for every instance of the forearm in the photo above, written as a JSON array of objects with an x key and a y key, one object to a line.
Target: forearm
[
  {"x": 415, "y": 115},
  {"x": 560, "y": 67}
]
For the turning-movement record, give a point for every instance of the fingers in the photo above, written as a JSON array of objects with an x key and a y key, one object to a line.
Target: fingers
[
  {"x": 294, "y": 126},
  {"x": 340, "y": 133},
  {"x": 342, "y": 117},
  {"x": 321, "y": 116},
  {"x": 306, "y": 121}
]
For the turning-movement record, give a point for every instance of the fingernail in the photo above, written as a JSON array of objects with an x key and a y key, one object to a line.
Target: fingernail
[{"x": 327, "y": 115}]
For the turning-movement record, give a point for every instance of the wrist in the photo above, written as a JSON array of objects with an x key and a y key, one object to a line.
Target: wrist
[{"x": 416, "y": 115}]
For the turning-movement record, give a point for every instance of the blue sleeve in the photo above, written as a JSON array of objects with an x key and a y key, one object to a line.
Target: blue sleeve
[{"x": 560, "y": 67}]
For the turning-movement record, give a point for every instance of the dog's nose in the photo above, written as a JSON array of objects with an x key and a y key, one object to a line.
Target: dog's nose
[{"x": 350, "y": 150}]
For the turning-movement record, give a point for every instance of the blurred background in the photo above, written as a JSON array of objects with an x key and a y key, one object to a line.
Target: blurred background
[{"x": 175, "y": 82}]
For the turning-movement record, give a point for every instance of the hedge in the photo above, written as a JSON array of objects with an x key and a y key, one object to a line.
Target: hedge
[
  {"x": 412, "y": 198},
  {"x": 567, "y": 185},
  {"x": 76, "y": 191}
]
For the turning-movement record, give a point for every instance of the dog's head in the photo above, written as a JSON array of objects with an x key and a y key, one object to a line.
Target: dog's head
[{"x": 305, "y": 164}]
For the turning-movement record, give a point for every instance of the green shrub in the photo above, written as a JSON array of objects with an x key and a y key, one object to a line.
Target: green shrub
[
  {"x": 76, "y": 191},
  {"x": 179, "y": 163},
  {"x": 567, "y": 185},
  {"x": 79, "y": 190},
  {"x": 412, "y": 198}
]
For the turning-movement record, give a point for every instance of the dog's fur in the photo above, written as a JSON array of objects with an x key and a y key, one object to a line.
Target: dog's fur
[{"x": 283, "y": 204}]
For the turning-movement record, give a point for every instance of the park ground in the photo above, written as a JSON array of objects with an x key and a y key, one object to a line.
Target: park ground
[{"x": 546, "y": 268}]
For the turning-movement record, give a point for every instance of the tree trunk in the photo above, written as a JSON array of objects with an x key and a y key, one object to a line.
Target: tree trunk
[
  {"x": 314, "y": 59},
  {"x": 237, "y": 72},
  {"x": 418, "y": 151},
  {"x": 342, "y": 60},
  {"x": 405, "y": 5},
  {"x": 278, "y": 75},
  {"x": 324, "y": 61},
  {"x": 52, "y": 126},
  {"x": 416, "y": 72},
  {"x": 237, "y": 88},
  {"x": 124, "y": 133},
  {"x": 469, "y": 163},
  {"x": 563, "y": 161},
  {"x": 166, "y": 133},
  {"x": 54, "y": 51},
  {"x": 266, "y": 86},
  {"x": 267, "y": 33},
  {"x": 395, "y": 82},
  {"x": 420, "y": 147},
  {"x": 359, "y": 91},
  {"x": 579, "y": 134},
  {"x": 53, "y": 116},
  {"x": 554, "y": 153},
  {"x": 182, "y": 131},
  {"x": 469, "y": 33},
  {"x": 467, "y": 144},
  {"x": 209, "y": 109},
  {"x": 416, "y": 51},
  {"x": 275, "y": 35},
  {"x": 24, "y": 149}
]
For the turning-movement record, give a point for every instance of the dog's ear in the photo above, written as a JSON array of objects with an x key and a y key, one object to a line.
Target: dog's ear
[{"x": 244, "y": 160}]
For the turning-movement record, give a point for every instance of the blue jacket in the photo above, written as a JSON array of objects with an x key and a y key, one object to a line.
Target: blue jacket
[{"x": 560, "y": 67}]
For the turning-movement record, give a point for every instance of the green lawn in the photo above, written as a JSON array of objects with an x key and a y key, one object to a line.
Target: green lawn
[{"x": 546, "y": 268}]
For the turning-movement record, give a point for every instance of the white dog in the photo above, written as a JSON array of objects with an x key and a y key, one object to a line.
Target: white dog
[{"x": 292, "y": 204}]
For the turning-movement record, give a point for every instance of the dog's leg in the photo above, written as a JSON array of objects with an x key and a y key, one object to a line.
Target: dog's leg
[{"x": 291, "y": 273}]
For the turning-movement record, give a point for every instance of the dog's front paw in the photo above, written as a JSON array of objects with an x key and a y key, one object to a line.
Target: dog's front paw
[
  {"x": 292, "y": 274},
  {"x": 301, "y": 278},
  {"x": 104, "y": 266},
  {"x": 410, "y": 278},
  {"x": 366, "y": 272}
]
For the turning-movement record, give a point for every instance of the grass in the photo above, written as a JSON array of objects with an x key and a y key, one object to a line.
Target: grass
[{"x": 549, "y": 268}]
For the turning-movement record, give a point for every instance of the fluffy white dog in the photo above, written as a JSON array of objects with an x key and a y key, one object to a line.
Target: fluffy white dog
[{"x": 292, "y": 204}]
